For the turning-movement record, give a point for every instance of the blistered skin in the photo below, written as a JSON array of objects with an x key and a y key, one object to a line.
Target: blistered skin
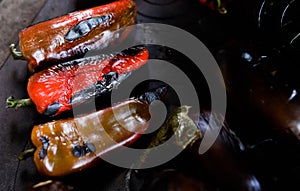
[
  {"x": 74, "y": 34},
  {"x": 57, "y": 87},
  {"x": 70, "y": 145}
]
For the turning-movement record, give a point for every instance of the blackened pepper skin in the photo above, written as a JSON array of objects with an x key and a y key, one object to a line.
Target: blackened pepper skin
[{"x": 72, "y": 35}]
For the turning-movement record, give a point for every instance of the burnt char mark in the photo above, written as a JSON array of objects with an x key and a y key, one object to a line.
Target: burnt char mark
[
  {"x": 45, "y": 145},
  {"x": 83, "y": 95},
  {"x": 133, "y": 51},
  {"x": 86, "y": 26},
  {"x": 79, "y": 151},
  {"x": 110, "y": 81},
  {"x": 151, "y": 96},
  {"x": 52, "y": 109},
  {"x": 156, "y": 90},
  {"x": 89, "y": 147}
]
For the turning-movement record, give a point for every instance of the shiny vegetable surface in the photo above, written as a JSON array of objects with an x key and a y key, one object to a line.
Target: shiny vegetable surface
[
  {"x": 224, "y": 161},
  {"x": 58, "y": 88},
  {"x": 266, "y": 84},
  {"x": 75, "y": 33},
  {"x": 70, "y": 145}
]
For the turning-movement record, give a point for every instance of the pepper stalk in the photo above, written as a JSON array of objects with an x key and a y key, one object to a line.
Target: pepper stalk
[
  {"x": 15, "y": 53},
  {"x": 17, "y": 103}
]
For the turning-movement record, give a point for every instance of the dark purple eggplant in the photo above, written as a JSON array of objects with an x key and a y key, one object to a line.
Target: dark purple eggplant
[
  {"x": 223, "y": 162},
  {"x": 263, "y": 91},
  {"x": 266, "y": 82},
  {"x": 172, "y": 179}
]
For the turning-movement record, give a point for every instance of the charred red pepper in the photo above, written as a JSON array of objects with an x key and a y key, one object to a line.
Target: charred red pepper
[
  {"x": 73, "y": 34},
  {"x": 70, "y": 145},
  {"x": 58, "y": 88}
]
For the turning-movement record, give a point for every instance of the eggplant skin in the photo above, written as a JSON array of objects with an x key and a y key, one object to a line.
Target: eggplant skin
[
  {"x": 263, "y": 84},
  {"x": 173, "y": 179},
  {"x": 224, "y": 161}
]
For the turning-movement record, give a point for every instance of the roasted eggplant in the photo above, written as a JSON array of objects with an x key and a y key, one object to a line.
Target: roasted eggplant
[
  {"x": 265, "y": 82},
  {"x": 223, "y": 162}
]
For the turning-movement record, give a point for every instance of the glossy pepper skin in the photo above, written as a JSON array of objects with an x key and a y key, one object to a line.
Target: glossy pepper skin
[
  {"x": 60, "y": 87},
  {"x": 70, "y": 145},
  {"x": 74, "y": 34}
]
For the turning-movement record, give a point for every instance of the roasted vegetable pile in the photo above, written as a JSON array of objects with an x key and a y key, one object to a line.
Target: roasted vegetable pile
[{"x": 256, "y": 46}]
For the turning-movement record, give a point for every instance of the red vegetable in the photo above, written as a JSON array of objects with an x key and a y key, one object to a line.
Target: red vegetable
[
  {"x": 71, "y": 35},
  {"x": 58, "y": 88}
]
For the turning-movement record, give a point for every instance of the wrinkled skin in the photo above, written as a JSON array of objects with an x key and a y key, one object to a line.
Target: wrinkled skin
[
  {"x": 70, "y": 145},
  {"x": 60, "y": 87},
  {"x": 71, "y": 35}
]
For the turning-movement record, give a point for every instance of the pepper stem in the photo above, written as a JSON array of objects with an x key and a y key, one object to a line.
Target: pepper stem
[
  {"x": 15, "y": 53},
  {"x": 17, "y": 103},
  {"x": 26, "y": 154},
  {"x": 220, "y": 8}
]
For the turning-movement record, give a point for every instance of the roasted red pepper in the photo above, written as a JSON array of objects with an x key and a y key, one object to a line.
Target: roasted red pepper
[
  {"x": 70, "y": 145},
  {"x": 74, "y": 34},
  {"x": 58, "y": 88}
]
